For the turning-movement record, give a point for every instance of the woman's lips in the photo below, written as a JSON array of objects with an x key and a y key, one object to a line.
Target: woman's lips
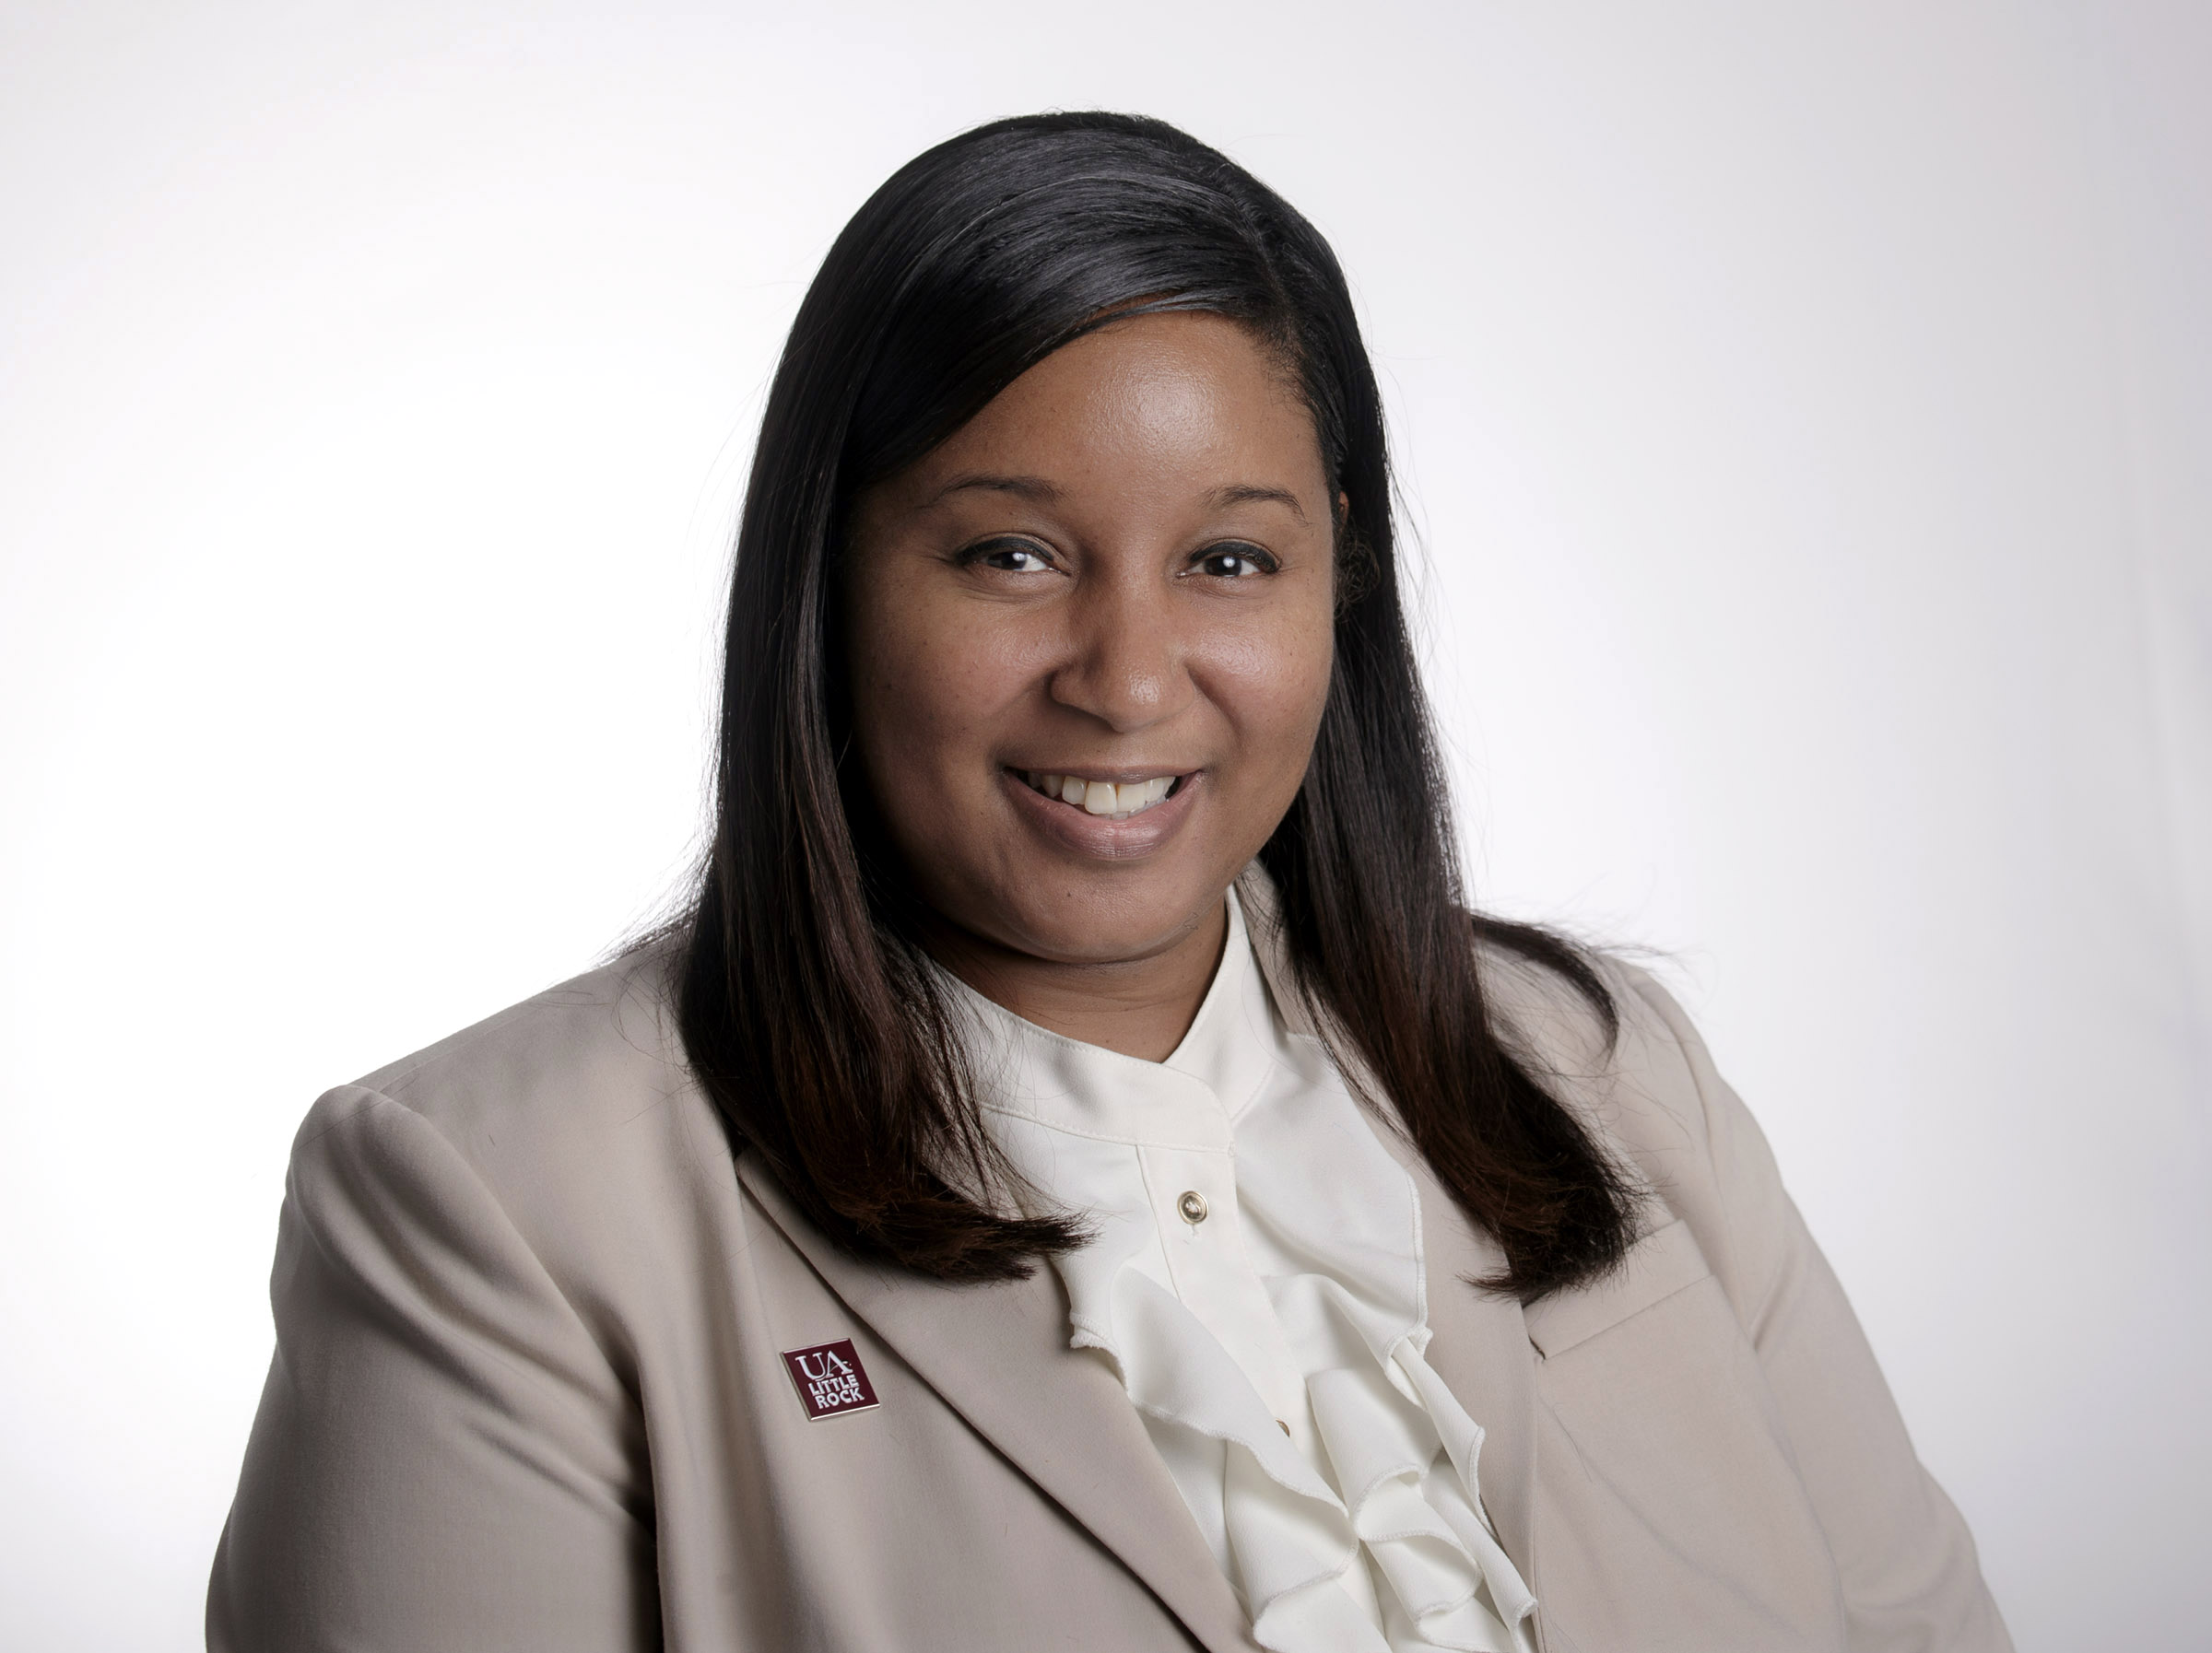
[
  {"x": 1117, "y": 801},
  {"x": 1115, "y": 819}
]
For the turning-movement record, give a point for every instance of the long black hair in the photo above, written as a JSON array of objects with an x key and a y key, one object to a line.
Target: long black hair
[{"x": 807, "y": 1008}]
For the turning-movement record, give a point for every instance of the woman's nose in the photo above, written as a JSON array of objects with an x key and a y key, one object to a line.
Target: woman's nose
[{"x": 1124, "y": 662}]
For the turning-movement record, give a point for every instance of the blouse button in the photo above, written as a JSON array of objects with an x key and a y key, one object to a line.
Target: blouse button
[{"x": 1192, "y": 1207}]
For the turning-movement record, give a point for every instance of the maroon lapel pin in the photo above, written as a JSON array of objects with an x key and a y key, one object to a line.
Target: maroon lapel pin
[{"x": 830, "y": 1380}]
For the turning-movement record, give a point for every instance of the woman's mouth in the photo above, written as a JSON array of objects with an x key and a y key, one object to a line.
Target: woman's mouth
[{"x": 1113, "y": 800}]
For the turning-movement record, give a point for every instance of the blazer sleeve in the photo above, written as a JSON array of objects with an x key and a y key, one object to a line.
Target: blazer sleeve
[
  {"x": 445, "y": 1458},
  {"x": 1911, "y": 1578}
]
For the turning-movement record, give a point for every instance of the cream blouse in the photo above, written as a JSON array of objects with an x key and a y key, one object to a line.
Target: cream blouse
[{"x": 1257, "y": 1283}]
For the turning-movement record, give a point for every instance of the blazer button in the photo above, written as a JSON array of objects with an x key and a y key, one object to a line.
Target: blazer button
[{"x": 1192, "y": 1206}]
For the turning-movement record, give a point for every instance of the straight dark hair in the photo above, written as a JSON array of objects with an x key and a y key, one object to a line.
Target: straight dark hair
[{"x": 807, "y": 1009}]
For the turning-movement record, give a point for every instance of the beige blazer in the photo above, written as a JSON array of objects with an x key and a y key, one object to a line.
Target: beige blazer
[{"x": 529, "y": 1392}]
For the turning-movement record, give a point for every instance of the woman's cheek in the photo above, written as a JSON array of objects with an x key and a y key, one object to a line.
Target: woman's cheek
[
  {"x": 926, "y": 698},
  {"x": 1275, "y": 686}
]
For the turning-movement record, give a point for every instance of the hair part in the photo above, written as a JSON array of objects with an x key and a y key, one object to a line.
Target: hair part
[{"x": 808, "y": 1010}]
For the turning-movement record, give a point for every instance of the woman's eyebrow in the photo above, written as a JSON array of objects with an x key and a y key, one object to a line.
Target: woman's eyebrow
[
  {"x": 1046, "y": 493},
  {"x": 1028, "y": 487},
  {"x": 1248, "y": 493}
]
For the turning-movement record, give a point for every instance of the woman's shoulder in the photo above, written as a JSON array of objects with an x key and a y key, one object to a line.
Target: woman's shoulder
[
  {"x": 590, "y": 1045},
  {"x": 572, "y": 1104},
  {"x": 1649, "y": 1091},
  {"x": 1636, "y": 1074}
]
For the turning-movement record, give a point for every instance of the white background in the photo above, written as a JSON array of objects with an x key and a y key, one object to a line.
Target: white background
[{"x": 1805, "y": 411}]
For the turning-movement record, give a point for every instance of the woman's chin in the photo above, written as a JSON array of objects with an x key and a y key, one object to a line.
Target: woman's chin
[{"x": 1111, "y": 928}]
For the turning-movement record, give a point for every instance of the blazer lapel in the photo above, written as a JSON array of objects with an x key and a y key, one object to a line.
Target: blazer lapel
[
  {"x": 1479, "y": 1347},
  {"x": 1479, "y": 1344},
  {"x": 999, "y": 1357}
]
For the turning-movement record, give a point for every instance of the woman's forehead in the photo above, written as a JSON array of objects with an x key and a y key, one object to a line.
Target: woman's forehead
[{"x": 1187, "y": 397}]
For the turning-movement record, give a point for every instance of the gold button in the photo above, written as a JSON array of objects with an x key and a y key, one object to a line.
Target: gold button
[
  {"x": 1282, "y": 1427},
  {"x": 1192, "y": 1206}
]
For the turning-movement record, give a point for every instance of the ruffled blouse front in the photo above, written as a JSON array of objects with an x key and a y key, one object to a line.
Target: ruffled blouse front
[{"x": 1257, "y": 1283}]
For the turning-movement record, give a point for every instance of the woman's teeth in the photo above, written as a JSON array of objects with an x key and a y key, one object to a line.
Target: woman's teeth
[{"x": 1103, "y": 797}]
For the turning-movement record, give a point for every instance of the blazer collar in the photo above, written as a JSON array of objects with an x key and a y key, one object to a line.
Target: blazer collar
[
  {"x": 999, "y": 1357},
  {"x": 1478, "y": 1343}
]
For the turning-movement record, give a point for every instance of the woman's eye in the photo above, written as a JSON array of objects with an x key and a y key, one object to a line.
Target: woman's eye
[
  {"x": 1234, "y": 561},
  {"x": 1011, "y": 556}
]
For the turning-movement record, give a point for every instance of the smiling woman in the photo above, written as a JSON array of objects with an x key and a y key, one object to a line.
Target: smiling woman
[
  {"x": 1120, "y": 576},
  {"x": 1082, "y": 894}
]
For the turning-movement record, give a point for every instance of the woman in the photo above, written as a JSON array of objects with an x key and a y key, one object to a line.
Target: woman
[{"x": 1081, "y": 895}]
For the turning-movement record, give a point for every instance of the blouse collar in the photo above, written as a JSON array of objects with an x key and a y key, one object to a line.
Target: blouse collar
[{"x": 1193, "y": 1099}]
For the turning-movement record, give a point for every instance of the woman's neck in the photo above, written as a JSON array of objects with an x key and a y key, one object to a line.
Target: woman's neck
[{"x": 1141, "y": 1007}]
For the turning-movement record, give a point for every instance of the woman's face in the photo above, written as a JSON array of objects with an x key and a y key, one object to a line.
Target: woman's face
[{"x": 1091, "y": 639}]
